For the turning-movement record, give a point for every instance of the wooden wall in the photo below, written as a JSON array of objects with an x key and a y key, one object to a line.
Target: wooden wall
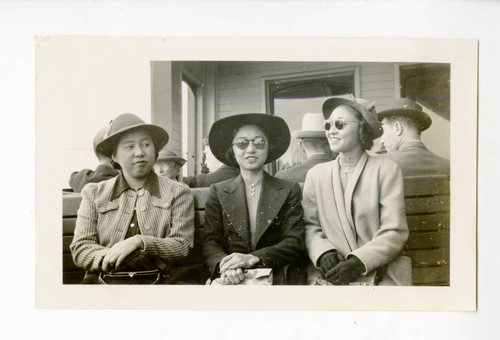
[{"x": 240, "y": 84}]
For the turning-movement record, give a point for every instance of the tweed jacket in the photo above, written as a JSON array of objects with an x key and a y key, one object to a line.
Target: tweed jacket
[
  {"x": 297, "y": 173},
  {"x": 280, "y": 225},
  {"x": 166, "y": 222},
  {"x": 78, "y": 179},
  {"x": 367, "y": 221},
  {"x": 205, "y": 180},
  {"x": 415, "y": 159}
]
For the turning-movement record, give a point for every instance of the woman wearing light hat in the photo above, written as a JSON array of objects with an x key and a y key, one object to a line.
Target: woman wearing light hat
[
  {"x": 354, "y": 206},
  {"x": 137, "y": 212},
  {"x": 253, "y": 220}
]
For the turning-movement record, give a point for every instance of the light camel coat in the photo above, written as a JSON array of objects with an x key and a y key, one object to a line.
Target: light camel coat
[{"x": 367, "y": 221}]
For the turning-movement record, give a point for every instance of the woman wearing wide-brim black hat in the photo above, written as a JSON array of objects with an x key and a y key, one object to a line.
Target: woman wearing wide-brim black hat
[
  {"x": 131, "y": 221},
  {"x": 253, "y": 220}
]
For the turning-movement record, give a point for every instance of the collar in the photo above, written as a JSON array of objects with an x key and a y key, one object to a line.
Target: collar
[
  {"x": 412, "y": 143},
  {"x": 151, "y": 185},
  {"x": 318, "y": 154}
]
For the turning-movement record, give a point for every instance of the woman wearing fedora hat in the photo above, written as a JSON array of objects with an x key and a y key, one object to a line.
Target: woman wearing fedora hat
[
  {"x": 136, "y": 215},
  {"x": 253, "y": 220},
  {"x": 354, "y": 206}
]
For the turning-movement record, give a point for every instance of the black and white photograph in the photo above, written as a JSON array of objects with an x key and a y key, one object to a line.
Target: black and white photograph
[
  {"x": 263, "y": 172},
  {"x": 250, "y": 169}
]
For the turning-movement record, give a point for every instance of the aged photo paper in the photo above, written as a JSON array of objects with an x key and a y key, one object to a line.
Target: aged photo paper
[{"x": 83, "y": 82}]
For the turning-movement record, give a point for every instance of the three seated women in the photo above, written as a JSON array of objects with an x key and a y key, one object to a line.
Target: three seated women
[{"x": 350, "y": 222}]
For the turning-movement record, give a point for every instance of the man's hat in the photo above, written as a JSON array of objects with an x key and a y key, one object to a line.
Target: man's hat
[
  {"x": 124, "y": 123},
  {"x": 408, "y": 108},
  {"x": 170, "y": 156},
  {"x": 363, "y": 106},
  {"x": 221, "y": 135},
  {"x": 313, "y": 126}
]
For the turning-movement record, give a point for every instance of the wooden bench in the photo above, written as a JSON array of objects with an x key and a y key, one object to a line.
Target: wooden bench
[
  {"x": 427, "y": 211},
  {"x": 428, "y": 217}
]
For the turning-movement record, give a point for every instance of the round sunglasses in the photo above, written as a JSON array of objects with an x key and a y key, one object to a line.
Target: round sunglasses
[
  {"x": 339, "y": 124},
  {"x": 242, "y": 143}
]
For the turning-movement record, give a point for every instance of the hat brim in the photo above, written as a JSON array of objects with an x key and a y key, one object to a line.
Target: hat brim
[
  {"x": 157, "y": 133},
  {"x": 423, "y": 118},
  {"x": 308, "y": 134},
  {"x": 180, "y": 160},
  {"x": 371, "y": 119},
  {"x": 222, "y": 132}
]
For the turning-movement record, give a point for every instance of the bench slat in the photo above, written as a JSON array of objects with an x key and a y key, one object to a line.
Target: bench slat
[
  {"x": 431, "y": 276},
  {"x": 425, "y": 186},
  {"x": 71, "y": 203},
  {"x": 429, "y": 257},
  {"x": 200, "y": 197},
  {"x": 69, "y": 224},
  {"x": 438, "y": 221},
  {"x": 424, "y": 205},
  {"x": 428, "y": 240},
  {"x": 199, "y": 219}
]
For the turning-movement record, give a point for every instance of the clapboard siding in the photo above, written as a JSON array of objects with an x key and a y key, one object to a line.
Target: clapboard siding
[
  {"x": 240, "y": 83},
  {"x": 376, "y": 77},
  {"x": 380, "y": 85}
]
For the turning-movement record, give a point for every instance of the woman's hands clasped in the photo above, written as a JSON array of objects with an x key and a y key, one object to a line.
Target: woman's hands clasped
[
  {"x": 119, "y": 252},
  {"x": 231, "y": 267}
]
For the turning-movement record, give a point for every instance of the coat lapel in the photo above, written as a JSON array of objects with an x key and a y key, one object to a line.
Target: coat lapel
[
  {"x": 351, "y": 185},
  {"x": 272, "y": 198},
  {"x": 341, "y": 208},
  {"x": 234, "y": 204}
]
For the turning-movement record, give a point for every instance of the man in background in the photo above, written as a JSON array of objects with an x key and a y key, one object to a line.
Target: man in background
[
  {"x": 169, "y": 165},
  {"x": 403, "y": 124},
  {"x": 312, "y": 140},
  {"x": 104, "y": 170},
  {"x": 205, "y": 179}
]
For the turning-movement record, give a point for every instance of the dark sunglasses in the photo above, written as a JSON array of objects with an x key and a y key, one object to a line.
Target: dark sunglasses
[
  {"x": 242, "y": 143},
  {"x": 339, "y": 124}
]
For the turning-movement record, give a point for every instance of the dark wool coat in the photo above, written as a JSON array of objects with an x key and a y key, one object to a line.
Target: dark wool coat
[{"x": 280, "y": 226}]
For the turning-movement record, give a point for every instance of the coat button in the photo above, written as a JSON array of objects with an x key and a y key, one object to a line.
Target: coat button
[{"x": 140, "y": 192}]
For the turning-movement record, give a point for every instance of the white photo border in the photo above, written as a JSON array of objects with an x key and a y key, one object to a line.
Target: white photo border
[{"x": 462, "y": 55}]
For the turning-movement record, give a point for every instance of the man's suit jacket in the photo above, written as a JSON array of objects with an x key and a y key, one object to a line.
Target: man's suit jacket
[
  {"x": 280, "y": 225},
  {"x": 205, "y": 180},
  {"x": 415, "y": 159},
  {"x": 297, "y": 173},
  {"x": 366, "y": 220},
  {"x": 78, "y": 179}
]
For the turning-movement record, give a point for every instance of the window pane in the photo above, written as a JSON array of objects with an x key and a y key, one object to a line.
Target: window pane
[{"x": 291, "y": 100}]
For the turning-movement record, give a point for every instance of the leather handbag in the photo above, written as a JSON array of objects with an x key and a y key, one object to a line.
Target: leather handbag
[{"x": 148, "y": 277}]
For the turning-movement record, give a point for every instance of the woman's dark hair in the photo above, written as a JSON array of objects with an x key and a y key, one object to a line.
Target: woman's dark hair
[{"x": 365, "y": 132}]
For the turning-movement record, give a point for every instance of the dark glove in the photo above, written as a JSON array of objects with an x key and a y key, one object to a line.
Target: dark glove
[
  {"x": 346, "y": 271},
  {"x": 327, "y": 261}
]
